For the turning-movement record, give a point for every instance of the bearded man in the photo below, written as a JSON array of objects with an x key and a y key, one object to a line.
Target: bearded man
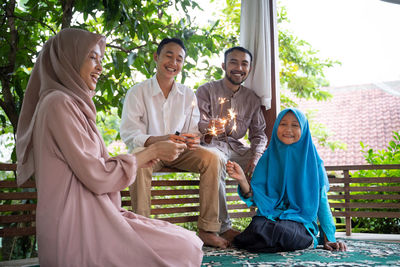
[{"x": 227, "y": 111}]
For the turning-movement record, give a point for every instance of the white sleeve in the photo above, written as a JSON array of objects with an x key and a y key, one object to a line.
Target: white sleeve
[{"x": 133, "y": 126}]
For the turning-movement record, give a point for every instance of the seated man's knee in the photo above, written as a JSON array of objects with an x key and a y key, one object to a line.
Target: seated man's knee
[{"x": 214, "y": 155}]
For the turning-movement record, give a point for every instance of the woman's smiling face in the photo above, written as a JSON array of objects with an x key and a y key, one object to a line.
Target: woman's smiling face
[
  {"x": 289, "y": 130},
  {"x": 91, "y": 68}
]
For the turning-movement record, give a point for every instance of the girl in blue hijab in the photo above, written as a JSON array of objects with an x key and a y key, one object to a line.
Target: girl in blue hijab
[{"x": 289, "y": 187}]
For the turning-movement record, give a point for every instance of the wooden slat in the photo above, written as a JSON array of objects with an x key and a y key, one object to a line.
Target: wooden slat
[
  {"x": 237, "y": 206},
  {"x": 174, "y": 192},
  {"x": 366, "y": 205},
  {"x": 175, "y": 183},
  {"x": 363, "y": 167},
  {"x": 125, "y": 194},
  {"x": 8, "y": 167},
  {"x": 126, "y": 203},
  {"x": 13, "y": 184},
  {"x": 366, "y": 189},
  {"x": 191, "y": 209},
  {"x": 18, "y": 195},
  {"x": 367, "y": 196},
  {"x": 367, "y": 214},
  {"x": 175, "y": 210},
  {"x": 17, "y": 231},
  {"x": 17, "y": 207},
  {"x": 185, "y": 182},
  {"x": 233, "y": 198},
  {"x": 180, "y": 219},
  {"x": 365, "y": 180},
  {"x": 17, "y": 218},
  {"x": 174, "y": 201}
]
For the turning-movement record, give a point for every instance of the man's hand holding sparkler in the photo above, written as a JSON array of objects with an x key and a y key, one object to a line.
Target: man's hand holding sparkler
[
  {"x": 215, "y": 128},
  {"x": 192, "y": 140}
]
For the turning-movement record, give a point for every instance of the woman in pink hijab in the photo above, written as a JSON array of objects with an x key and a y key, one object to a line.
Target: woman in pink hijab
[{"x": 79, "y": 217}]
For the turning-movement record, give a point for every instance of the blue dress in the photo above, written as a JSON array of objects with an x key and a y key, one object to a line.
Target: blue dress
[{"x": 290, "y": 191}]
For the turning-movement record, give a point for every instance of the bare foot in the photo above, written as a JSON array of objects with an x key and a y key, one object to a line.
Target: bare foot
[
  {"x": 230, "y": 234},
  {"x": 212, "y": 239}
]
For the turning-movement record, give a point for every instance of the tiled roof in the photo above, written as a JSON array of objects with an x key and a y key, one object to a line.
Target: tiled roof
[{"x": 368, "y": 113}]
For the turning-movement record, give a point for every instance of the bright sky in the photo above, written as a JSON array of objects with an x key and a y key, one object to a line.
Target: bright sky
[{"x": 362, "y": 34}]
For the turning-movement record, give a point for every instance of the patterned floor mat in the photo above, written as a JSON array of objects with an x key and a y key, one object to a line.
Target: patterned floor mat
[{"x": 359, "y": 253}]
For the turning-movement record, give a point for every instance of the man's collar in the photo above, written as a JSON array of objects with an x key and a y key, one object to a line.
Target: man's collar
[
  {"x": 227, "y": 88},
  {"x": 157, "y": 89}
]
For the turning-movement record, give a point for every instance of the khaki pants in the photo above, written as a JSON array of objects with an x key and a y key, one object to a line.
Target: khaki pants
[
  {"x": 202, "y": 161},
  {"x": 242, "y": 160}
]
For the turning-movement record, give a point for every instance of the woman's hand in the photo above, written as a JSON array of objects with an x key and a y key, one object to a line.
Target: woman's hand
[
  {"x": 168, "y": 150},
  {"x": 163, "y": 150},
  {"x": 235, "y": 171},
  {"x": 335, "y": 246}
]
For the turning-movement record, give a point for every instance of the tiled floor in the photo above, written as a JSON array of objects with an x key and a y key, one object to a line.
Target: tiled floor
[{"x": 371, "y": 237}]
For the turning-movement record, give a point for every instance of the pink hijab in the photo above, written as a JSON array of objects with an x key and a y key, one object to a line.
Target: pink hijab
[{"x": 57, "y": 68}]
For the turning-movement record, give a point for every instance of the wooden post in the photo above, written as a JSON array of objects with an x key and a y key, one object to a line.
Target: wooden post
[
  {"x": 270, "y": 114},
  {"x": 347, "y": 201}
]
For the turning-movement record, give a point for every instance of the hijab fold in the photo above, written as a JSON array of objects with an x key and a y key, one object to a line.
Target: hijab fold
[
  {"x": 289, "y": 176},
  {"x": 57, "y": 68}
]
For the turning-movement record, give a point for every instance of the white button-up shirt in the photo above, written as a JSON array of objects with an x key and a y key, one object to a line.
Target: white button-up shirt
[{"x": 147, "y": 112}]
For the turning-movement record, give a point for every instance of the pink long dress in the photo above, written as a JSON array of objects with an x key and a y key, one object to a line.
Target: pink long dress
[{"x": 80, "y": 221}]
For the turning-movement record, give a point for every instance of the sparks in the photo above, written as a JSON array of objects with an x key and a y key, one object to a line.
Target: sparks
[
  {"x": 213, "y": 130},
  {"x": 234, "y": 127},
  {"x": 232, "y": 114},
  {"x": 222, "y": 100}
]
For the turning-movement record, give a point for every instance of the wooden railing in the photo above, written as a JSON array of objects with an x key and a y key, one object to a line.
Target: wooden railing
[
  {"x": 379, "y": 195},
  {"x": 176, "y": 199}
]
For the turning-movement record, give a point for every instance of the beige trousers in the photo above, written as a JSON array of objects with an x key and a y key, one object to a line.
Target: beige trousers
[{"x": 202, "y": 161}]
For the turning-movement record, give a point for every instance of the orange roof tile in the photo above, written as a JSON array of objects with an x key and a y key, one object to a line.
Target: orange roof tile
[{"x": 368, "y": 113}]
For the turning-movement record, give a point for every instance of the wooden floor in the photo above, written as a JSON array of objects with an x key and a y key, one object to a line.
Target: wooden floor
[{"x": 359, "y": 236}]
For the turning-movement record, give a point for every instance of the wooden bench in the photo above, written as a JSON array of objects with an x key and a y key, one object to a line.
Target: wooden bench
[{"x": 175, "y": 198}]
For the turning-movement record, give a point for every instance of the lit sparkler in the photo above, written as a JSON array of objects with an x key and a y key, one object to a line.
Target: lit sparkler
[
  {"x": 213, "y": 130},
  {"x": 232, "y": 117},
  {"x": 222, "y": 100},
  {"x": 232, "y": 114}
]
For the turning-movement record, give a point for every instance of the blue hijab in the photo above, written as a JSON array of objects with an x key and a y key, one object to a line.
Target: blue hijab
[{"x": 288, "y": 179}]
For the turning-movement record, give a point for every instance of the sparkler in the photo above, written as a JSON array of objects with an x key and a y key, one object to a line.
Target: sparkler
[
  {"x": 222, "y": 100},
  {"x": 224, "y": 121},
  {"x": 191, "y": 113},
  {"x": 232, "y": 116},
  {"x": 213, "y": 130}
]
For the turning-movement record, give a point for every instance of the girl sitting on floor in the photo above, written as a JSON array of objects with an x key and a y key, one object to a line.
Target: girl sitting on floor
[{"x": 289, "y": 187}]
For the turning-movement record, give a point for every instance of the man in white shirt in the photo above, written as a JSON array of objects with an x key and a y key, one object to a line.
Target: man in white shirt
[{"x": 160, "y": 109}]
